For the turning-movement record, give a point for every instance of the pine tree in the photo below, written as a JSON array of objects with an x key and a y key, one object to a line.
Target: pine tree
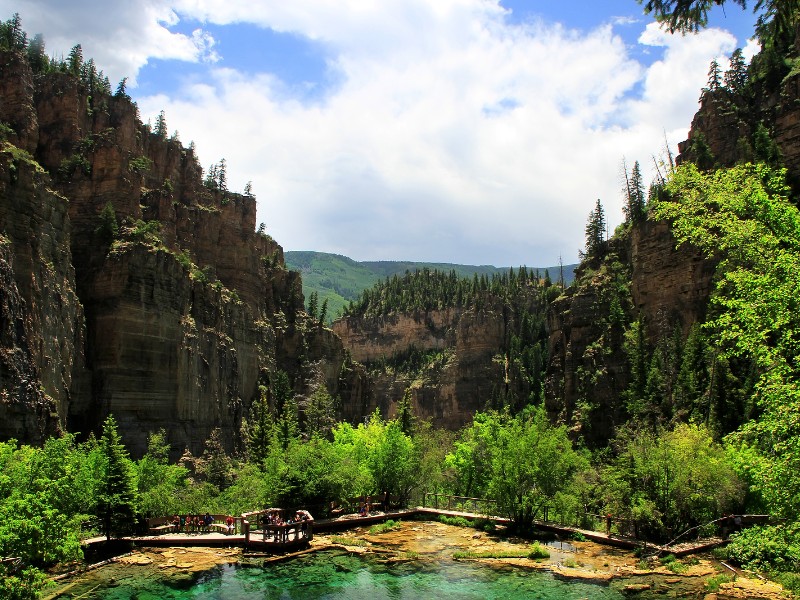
[
  {"x": 596, "y": 231},
  {"x": 121, "y": 88},
  {"x": 258, "y": 429},
  {"x": 12, "y": 36},
  {"x": 287, "y": 427},
  {"x": 117, "y": 496},
  {"x": 37, "y": 58},
  {"x": 405, "y": 414},
  {"x": 319, "y": 413},
  {"x": 323, "y": 312},
  {"x": 161, "y": 126},
  {"x": 736, "y": 75},
  {"x": 216, "y": 464},
  {"x": 636, "y": 198},
  {"x": 75, "y": 60},
  {"x": 222, "y": 176},
  {"x": 313, "y": 303},
  {"x": 714, "y": 76}
]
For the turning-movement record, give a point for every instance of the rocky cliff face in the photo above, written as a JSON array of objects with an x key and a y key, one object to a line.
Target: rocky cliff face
[
  {"x": 130, "y": 287},
  {"x": 42, "y": 319},
  {"x": 465, "y": 366},
  {"x": 728, "y": 120},
  {"x": 642, "y": 277}
]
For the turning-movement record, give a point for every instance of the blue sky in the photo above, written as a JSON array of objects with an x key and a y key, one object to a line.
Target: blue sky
[{"x": 466, "y": 131}]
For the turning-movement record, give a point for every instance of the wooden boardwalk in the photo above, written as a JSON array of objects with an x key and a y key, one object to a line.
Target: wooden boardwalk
[{"x": 351, "y": 521}]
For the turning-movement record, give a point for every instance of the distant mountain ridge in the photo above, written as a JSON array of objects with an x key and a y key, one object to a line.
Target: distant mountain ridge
[{"x": 340, "y": 279}]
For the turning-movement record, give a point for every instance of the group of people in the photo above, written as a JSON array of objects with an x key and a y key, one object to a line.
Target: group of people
[
  {"x": 200, "y": 523},
  {"x": 281, "y": 533}
]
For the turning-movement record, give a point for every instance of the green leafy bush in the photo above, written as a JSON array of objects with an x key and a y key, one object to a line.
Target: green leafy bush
[
  {"x": 765, "y": 547},
  {"x": 714, "y": 582},
  {"x": 140, "y": 164},
  {"x": 538, "y": 551}
]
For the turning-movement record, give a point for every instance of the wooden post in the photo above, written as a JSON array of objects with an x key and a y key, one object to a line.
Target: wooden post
[{"x": 246, "y": 531}]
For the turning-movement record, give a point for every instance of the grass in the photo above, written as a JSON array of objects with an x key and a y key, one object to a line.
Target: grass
[
  {"x": 535, "y": 552},
  {"x": 571, "y": 563},
  {"x": 389, "y": 525},
  {"x": 673, "y": 564},
  {"x": 715, "y": 581},
  {"x": 348, "y": 541},
  {"x": 486, "y": 525}
]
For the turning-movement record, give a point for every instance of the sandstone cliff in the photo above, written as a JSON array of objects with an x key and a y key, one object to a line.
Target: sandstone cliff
[
  {"x": 449, "y": 362},
  {"x": 130, "y": 285}
]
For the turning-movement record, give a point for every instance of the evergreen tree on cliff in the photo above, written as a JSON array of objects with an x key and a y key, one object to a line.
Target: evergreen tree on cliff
[{"x": 596, "y": 231}]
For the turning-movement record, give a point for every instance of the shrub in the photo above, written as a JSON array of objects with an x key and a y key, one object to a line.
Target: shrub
[
  {"x": 140, "y": 164},
  {"x": 714, "y": 582},
  {"x": 765, "y": 547},
  {"x": 790, "y": 581},
  {"x": 538, "y": 551},
  {"x": 185, "y": 260}
]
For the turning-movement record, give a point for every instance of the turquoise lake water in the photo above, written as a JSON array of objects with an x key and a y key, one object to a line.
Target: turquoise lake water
[{"x": 339, "y": 575}]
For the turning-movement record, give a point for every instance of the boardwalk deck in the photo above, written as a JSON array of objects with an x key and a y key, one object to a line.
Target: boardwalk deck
[{"x": 218, "y": 539}]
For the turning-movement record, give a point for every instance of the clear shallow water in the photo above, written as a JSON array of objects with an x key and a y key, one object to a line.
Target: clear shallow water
[{"x": 331, "y": 575}]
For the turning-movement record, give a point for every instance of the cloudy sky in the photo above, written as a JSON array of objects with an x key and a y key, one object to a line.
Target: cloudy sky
[{"x": 464, "y": 131}]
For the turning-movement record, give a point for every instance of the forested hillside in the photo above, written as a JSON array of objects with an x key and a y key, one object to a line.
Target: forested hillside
[{"x": 340, "y": 280}]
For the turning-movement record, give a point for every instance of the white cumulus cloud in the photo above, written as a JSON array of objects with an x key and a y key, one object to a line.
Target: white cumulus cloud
[{"x": 451, "y": 134}]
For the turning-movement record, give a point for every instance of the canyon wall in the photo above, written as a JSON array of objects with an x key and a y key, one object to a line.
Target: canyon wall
[{"x": 130, "y": 286}]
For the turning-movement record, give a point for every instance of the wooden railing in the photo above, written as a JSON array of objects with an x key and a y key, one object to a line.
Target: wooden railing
[
  {"x": 278, "y": 534},
  {"x": 482, "y": 506}
]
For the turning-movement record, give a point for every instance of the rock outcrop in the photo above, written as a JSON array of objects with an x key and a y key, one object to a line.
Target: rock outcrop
[
  {"x": 130, "y": 285},
  {"x": 466, "y": 365}
]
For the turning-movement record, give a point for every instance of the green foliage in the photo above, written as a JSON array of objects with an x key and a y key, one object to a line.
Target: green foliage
[
  {"x": 116, "y": 492},
  {"x": 147, "y": 232},
  {"x": 6, "y": 131},
  {"x": 522, "y": 463},
  {"x": 668, "y": 481},
  {"x": 160, "y": 485},
  {"x": 714, "y": 582},
  {"x": 531, "y": 462},
  {"x": 185, "y": 259},
  {"x": 455, "y": 521},
  {"x": 596, "y": 231},
  {"x": 25, "y": 585},
  {"x": 765, "y": 547},
  {"x": 108, "y": 229},
  {"x": 538, "y": 552},
  {"x": 73, "y": 163},
  {"x": 140, "y": 165},
  {"x": 385, "y": 527},
  {"x": 348, "y": 541},
  {"x": 341, "y": 280},
  {"x": 742, "y": 217}
]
